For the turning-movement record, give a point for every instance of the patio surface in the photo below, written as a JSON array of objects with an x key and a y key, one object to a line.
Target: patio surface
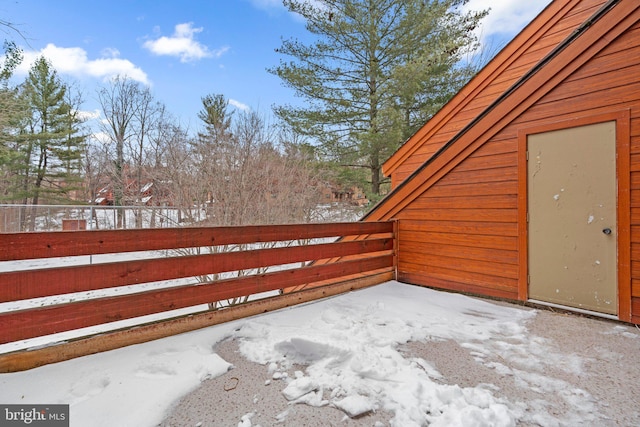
[{"x": 596, "y": 357}]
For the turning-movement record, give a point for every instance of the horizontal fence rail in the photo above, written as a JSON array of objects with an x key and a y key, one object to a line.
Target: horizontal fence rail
[{"x": 193, "y": 267}]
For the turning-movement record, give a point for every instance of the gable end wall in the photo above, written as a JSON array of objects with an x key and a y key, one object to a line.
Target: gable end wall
[
  {"x": 545, "y": 44},
  {"x": 463, "y": 234}
]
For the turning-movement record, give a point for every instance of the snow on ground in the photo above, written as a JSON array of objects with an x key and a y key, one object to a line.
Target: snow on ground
[{"x": 349, "y": 348}]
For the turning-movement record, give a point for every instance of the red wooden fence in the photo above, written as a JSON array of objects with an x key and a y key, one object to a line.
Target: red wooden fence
[{"x": 368, "y": 248}]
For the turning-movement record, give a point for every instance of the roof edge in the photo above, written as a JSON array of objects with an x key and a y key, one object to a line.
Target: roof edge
[
  {"x": 587, "y": 24},
  {"x": 485, "y": 76}
]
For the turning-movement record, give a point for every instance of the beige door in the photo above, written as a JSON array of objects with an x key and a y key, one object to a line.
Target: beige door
[{"x": 572, "y": 217}]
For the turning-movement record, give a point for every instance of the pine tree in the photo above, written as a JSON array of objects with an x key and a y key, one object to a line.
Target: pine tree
[
  {"x": 49, "y": 141},
  {"x": 12, "y": 112},
  {"x": 377, "y": 69}
]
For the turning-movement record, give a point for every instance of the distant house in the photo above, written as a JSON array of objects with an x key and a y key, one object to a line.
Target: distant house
[
  {"x": 334, "y": 193},
  {"x": 104, "y": 196},
  {"x": 526, "y": 185},
  {"x": 150, "y": 194}
]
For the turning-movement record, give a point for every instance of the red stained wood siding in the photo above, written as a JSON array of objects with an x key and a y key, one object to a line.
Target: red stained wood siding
[{"x": 462, "y": 224}]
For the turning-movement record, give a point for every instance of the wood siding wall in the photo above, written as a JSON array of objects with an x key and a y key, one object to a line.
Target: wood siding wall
[
  {"x": 462, "y": 233},
  {"x": 548, "y": 38}
]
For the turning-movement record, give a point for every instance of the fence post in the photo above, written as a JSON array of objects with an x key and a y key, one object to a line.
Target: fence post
[{"x": 396, "y": 247}]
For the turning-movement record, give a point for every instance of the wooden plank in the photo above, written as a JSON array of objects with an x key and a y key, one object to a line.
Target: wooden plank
[
  {"x": 489, "y": 94},
  {"x": 621, "y": 55},
  {"x": 510, "y": 76},
  {"x": 635, "y": 234},
  {"x": 476, "y": 163},
  {"x": 604, "y": 81},
  {"x": 19, "y": 285},
  {"x": 33, "y": 358},
  {"x": 635, "y": 270},
  {"x": 618, "y": 48},
  {"x": 455, "y": 281},
  {"x": 527, "y": 121},
  {"x": 503, "y": 201},
  {"x": 301, "y": 287},
  {"x": 588, "y": 103},
  {"x": 523, "y": 223},
  {"x": 24, "y": 324},
  {"x": 635, "y": 132},
  {"x": 460, "y": 120},
  {"x": 482, "y": 215},
  {"x": 635, "y": 251},
  {"x": 502, "y": 284},
  {"x": 623, "y": 126},
  {"x": 462, "y": 239},
  {"x": 446, "y": 188},
  {"x": 497, "y": 146},
  {"x": 396, "y": 246},
  {"x": 471, "y": 182},
  {"x": 15, "y": 246},
  {"x": 408, "y": 227},
  {"x": 483, "y": 167},
  {"x": 461, "y": 253},
  {"x": 635, "y": 310},
  {"x": 465, "y": 288},
  {"x": 547, "y": 42},
  {"x": 576, "y": 17},
  {"x": 635, "y": 162},
  {"x": 470, "y": 266}
]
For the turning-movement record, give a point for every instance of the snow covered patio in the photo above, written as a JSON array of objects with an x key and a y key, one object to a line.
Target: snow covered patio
[{"x": 392, "y": 354}]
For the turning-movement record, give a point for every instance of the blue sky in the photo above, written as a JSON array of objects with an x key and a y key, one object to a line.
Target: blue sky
[{"x": 185, "y": 50}]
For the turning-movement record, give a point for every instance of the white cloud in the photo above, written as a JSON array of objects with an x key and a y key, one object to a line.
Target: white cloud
[
  {"x": 506, "y": 17},
  {"x": 239, "y": 105},
  {"x": 183, "y": 45},
  {"x": 110, "y": 52},
  {"x": 267, "y": 4},
  {"x": 89, "y": 115},
  {"x": 74, "y": 61}
]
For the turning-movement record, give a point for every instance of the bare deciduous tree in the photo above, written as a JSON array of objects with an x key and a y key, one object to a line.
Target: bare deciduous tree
[
  {"x": 237, "y": 173},
  {"x": 130, "y": 111}
]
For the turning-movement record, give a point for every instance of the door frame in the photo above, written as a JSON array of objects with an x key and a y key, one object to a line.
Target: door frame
[{"x": 623, "y": 177}]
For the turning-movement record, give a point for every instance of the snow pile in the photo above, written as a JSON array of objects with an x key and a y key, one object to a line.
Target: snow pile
[{"x": 349, "y": 348}]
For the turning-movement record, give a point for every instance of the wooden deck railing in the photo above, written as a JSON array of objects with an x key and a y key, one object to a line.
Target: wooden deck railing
[{"x": 364, "y": 249}]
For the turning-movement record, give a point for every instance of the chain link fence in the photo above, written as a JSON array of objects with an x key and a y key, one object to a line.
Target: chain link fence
[
  {"x": 21, "y": 218},
  {"x": 15, "y": 218}
]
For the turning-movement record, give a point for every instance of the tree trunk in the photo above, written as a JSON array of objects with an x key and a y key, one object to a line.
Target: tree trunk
[
  {"x": 375, "y": 174},
  {"x": 118, "y": 185}
]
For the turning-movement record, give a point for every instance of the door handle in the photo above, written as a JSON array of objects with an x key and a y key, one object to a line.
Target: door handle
[{"x": 606, "y": 231}]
